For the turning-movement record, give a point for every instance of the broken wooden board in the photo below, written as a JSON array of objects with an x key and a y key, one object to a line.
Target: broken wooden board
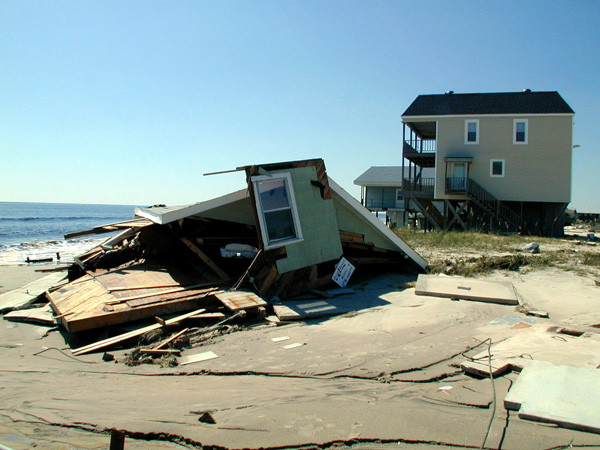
[
  {"x": 467, "y": 289},
  {"x": 563, "y": 395},
  {"x": 131, "y": 334},
  {"x": 240, "y": 300},
  {"x": 38, "y": 316},
  {"x": 29, "y": 293},
  {"x": 86, "y": 303}
]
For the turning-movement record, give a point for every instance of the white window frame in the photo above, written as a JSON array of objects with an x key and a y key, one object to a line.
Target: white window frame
[
  {"x": 292, "y": 205},
  {"x": 515, "y": 122},
  {"x": 467, "y": 122},
  {"x": 492, "y": 161}
]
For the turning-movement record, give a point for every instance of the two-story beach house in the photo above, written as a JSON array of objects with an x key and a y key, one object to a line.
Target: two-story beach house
[{"x": 501, "y": 161}]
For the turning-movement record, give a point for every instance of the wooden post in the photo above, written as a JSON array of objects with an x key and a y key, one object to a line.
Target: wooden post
[{"x": 117, "y": 440}]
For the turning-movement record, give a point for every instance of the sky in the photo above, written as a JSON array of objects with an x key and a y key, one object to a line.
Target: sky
[{"x": 131, "y": 102}]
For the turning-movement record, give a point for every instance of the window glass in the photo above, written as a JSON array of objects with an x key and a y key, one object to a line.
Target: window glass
[
  {"x": 472, "y": 132},
  {"x": 277, "y": 213},
  {"x": 280, "y": 225},
  {"x": 520, "y": 131},
  {"x": 273, "y": 194},
  {"x": 497, "y": 167}
]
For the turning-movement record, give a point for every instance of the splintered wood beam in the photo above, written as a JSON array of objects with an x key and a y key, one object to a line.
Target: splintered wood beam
[
  {"x": 123, "y": 337},
  {"x": 171, "y": 339},
  {"x": 204, "y": 257}
]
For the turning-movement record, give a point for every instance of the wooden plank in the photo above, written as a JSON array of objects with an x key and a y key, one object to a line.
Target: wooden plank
[
  {"x": 204, "y": 257},
  {"x": 196, "y": 294},
  {"x": 349, "y": 236},
  {"x": 153, "y": 294},
  {"x": 239, "y": 300},
  {"x": 172, "y": 338},
  {"x": 123, "y": 337},
  {"x": 147, "y": 286}
]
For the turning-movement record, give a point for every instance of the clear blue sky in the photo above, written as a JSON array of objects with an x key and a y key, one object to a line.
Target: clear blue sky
[{"x": 132, "y": 101}]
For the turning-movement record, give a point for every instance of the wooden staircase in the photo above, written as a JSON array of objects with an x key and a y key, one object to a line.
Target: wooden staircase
[
  {"x": 428, "y": 209},
  {"x": 492, "y": 206}
]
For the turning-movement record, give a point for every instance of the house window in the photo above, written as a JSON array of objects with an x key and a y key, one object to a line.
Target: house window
[
  {"x": 496, "y": 168},
  {"x": 471, "y": 131},
  {"x": 399, "y": 195},
  {"x": 277, "y": 212},
  {"x": 520, "y": 131}
]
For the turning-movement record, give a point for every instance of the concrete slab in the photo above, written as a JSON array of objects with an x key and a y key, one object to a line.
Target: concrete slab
[
  {"x": 540, "y": 342},
  {"x": 30, "y": 292},
  {"x": 467, "y": 289},
  {"x": 563, "y": 395}
]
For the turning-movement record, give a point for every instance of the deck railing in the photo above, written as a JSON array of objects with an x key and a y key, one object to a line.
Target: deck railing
[
  {"x": 420, "y": 145},
  {"x": 420, "y": 185},
  {"x": 456, "y": 185},
  {"x": 478, "y": 192}
]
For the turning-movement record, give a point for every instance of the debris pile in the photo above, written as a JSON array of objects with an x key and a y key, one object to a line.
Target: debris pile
[{"x": 215, "y": 263}]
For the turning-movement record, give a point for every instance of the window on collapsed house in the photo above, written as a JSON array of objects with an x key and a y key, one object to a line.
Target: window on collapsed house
[
  {"x": 471, "y": 131},
  {"x": 496, "y": 168},
  {"x": 277, "y": 212},
  {"x": 520, "y": 132}
]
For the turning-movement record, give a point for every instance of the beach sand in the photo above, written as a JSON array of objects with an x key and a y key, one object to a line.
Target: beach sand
[
  {"x": 384, "y": 376},
  {"x": 15, "y": 276}
]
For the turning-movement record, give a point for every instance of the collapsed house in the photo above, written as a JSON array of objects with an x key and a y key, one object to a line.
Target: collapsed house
[{"x": 292, "y": 230}]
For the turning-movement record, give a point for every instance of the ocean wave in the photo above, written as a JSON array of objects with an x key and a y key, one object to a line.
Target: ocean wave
[
  {"x": 58, "y": 218},
  {"x": 19, "y": 253}
]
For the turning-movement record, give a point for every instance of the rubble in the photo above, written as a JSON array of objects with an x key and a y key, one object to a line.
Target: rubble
[{"x": 292, "y": 231}]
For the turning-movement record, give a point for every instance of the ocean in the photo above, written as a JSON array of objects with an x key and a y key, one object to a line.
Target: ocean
[{"x": 36, "y": 230}]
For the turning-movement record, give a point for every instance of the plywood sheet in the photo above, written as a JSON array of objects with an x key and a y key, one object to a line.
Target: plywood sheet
[
  {"x": 29, "y": 293},
  {"x": 39, "y": 316},
  {"x": 237, "y": 300},
  {"x": 564, "y": 395},
  {"x": 467, "y": 289}
]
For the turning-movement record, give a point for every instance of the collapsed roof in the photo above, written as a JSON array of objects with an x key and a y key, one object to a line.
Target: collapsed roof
[{"x": 285, "y": 234}]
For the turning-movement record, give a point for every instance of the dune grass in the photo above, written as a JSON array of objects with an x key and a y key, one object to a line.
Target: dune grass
[{"x": 472, "y": 253}]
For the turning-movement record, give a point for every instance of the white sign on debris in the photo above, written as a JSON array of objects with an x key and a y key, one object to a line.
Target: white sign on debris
[{"x": 343, "y": 271}]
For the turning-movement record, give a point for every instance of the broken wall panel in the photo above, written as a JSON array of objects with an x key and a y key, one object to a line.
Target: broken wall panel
[{"x": 89, "y": 303}]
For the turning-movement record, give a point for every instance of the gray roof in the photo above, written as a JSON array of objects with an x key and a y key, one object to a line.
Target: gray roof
[
  {"x": 386, "y": 176},
  {"x": 525, "y": 102}
]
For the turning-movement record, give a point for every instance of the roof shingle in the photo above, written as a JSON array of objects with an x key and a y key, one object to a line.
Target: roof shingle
[{"x": 525, "y": 102}]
